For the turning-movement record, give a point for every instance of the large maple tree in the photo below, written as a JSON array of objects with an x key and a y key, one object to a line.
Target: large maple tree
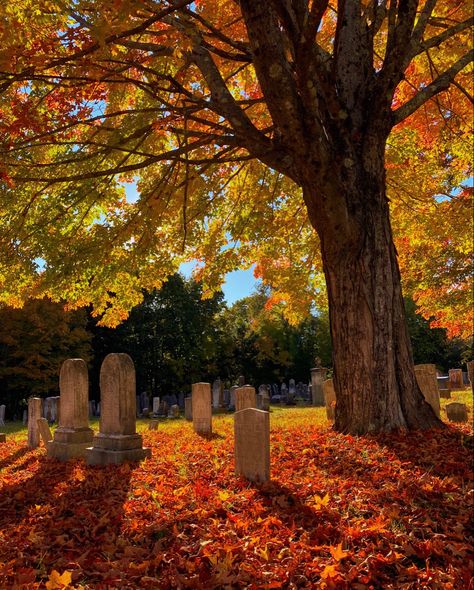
[{"x": 256, "y": 132}]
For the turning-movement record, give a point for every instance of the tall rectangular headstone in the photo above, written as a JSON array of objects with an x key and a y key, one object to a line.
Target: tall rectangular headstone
[
  {"x": 217, "y": 394},
  {"x": 73, "y": 435},
  {"x": 156, "y": 405},
  {"x": 245, "y": 398},
  {"x": 202, "y": 408},
  {"x": 188, "y": 408},
  {"x": 329, "y": 398},
  {"x": 117, "y": 440},
  {"x": 252, "y": 444},
  {"x": 455, "y": 379},
  {"x": 34, "y": 412},
  {"x": 2, "y": 415},
  {"x": 428, "y": 383},
  {"x": 318, "y": 375},
  {"x": 470, "y": 373}
]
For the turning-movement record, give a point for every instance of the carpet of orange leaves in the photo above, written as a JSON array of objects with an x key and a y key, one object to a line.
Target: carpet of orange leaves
[{"x": 340, "y": 512}]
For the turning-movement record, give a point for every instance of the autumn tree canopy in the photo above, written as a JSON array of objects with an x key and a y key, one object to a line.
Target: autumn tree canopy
[{"x": 274, "y": 133}]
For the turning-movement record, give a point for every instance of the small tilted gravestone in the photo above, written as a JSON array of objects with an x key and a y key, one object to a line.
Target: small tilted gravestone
[
  {"x": 428, "y": 383},
  {"x": 202, "y": 408},
  {"x": 188, "y": 408},
  {"x": 252, "y": 444},
  {"x": 44, "y": 431},
  {"x": 174, "y": 411},
  {"x": 73, "y": 436},
  {"x": 117, "y": 440},
  {"x": 153, "y": 425},
  {"x": 245, "y": 397},
  {"x": 329, "y": 399},
  {"x": 456, "y": 412},
  {"x": 34, "y": 413}
]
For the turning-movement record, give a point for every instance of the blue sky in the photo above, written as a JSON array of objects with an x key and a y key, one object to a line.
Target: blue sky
[{"x": 238, "y": 284}]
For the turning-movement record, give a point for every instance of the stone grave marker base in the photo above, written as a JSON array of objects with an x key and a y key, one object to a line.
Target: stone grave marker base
[
  {"x": 115, "y": 449},
  {"x": 69, "y": 443}
]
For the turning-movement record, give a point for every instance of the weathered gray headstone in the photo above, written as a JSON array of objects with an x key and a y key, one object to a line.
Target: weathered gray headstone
[
  {"x": 470, "y": 372},
  {"x": 202, "y": 408},
  {"x": 232, "y": 391},
  {"x": 2, "y": 415},
  {"x": 44, "y": 431},
  {"x": 73, "y": 435},
  {"x": 117, "y": 440},
  {"x": 318, "y": 375},
  {"x": 174, "y": 411},
  {"x": 456, "y": 412},
  {"x": 34, "y": 413},
  {"x": 455, "y": 379},
  {"x": 217, "y": 394},
  {"x": 245, "y": 398},
  {"x": 156, "y": 405},
  {"x": 252, "y": 444},
  {"x": 427, "y": 382},
  {"x": 329, "y": 398},
  {"x": 188, "y": 408},
  {"x": 25, "y": 417}
]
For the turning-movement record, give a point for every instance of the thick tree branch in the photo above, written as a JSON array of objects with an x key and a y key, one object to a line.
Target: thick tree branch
[{"x": 441, "y": 83}]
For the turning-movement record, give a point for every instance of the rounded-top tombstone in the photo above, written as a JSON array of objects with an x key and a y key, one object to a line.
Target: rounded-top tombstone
[
  {"x": 117, "y": 440},
  {"x": 73, "y": 435},
  {"x": 117, "y": 395},
  {"x": 74, "y": 394}
]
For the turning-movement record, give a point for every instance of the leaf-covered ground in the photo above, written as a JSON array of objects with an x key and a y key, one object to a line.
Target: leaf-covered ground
[{"x": 340, "y": 512}]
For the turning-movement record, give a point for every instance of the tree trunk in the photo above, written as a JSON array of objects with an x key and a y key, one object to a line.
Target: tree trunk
[{"x": 374, "y": 377}]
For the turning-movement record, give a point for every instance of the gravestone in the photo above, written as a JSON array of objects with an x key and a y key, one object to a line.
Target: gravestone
[
  {"x": 181, "y": 397},
  {"x": 329, "y": 398},
  {"x": 153, "y": 425},
  {"x": 318, "y": 375},
  {"x": 144, "y": 401},
  {"x": 233, "y": 389},
  {"x": 3, "y": 437},
  {"x": 291, "y": 388},
  {"x": 188, "y": 408},
  {"x": 284, "y": 391},
  {"x": 217, "y": 398},
  {"x": 241, "y": 381},
  {"x": 44, "y": 431},
  {"x": 91, "y": 408},
  {"x": 2, "y": 415},
  {"x": 245, "y": 398},
  {"x": 34, "y": 413},
  {"x": 163, "y": 409},
  {"x": 263, "y": 401},
  {"x": 428, "y": 383},
  {"x": 456, "y": 412},
  {"x": 443, "y": 387},
  {"x": 202, "y": 408},
  {"x": 47, "y": 409},
  {"x": 470, "y": 373},
  {"x": 226, "y": 397},
  {"x": 455, "y": 379},
  {"x": 117, "y": 440},
  {"x": 73, "y": 435},
  {"x": 156, "y": 405},
  {"x": 55, "y": 408},
  {"x": 252, "y": 444},
  {"x": 25, "y": 417},
  {"x": 174, "y": 411}
]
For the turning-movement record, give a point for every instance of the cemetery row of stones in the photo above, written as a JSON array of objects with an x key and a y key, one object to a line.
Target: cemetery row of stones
[
  {"x": 223, "y": 399},
  {"x": 118, "y": 441}
]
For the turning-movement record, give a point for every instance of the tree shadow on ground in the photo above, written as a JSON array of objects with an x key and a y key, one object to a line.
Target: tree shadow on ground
[
  {"x": 23, "y": 451},
  {"x": 66, "y": 516}
]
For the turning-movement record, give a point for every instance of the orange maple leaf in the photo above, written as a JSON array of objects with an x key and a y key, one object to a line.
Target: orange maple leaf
[
  {"x": 337, "y": 552},
  {"x": 57, "y": 581}
]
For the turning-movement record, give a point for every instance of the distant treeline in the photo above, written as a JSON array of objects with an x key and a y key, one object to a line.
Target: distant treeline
[{"x": 176, "y": 338}]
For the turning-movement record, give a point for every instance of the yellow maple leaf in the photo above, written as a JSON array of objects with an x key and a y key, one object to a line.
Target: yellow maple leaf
[
  {"x": 338, "y": 553},
  {"x": 321, "y": 501},
  {"x": 58, "y": 581},
  {"x": 330, "y": 571}
]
